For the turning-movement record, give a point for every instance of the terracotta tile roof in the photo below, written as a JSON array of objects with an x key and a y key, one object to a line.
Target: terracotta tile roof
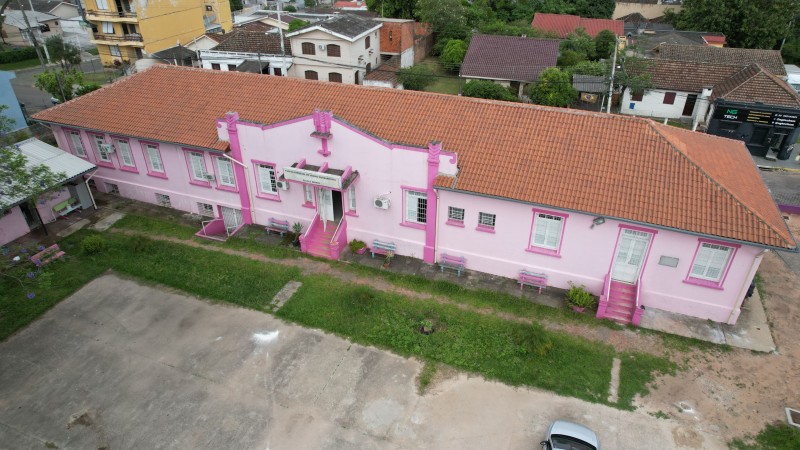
[
  {"x": 387, "y": 71},
  {"x": 347, "y": 25},
  {"x": 563, "y": 24},
  {"x": 609, "y": 165},
  {"x": 754, "y": 84},
  {"x": 509, "y": 57},
  {"x": 254, "y": 42},
  {"x": 685, "y": 76},
  {"x": 768, "y": 59},
  {"x": 254, "y": 26},
  {"x": 717, "y": 38},
  {"x": 216, "y": 37}
]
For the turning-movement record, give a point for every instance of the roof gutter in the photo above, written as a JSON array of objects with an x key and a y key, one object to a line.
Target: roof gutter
[{"x": 621, "y": 219}]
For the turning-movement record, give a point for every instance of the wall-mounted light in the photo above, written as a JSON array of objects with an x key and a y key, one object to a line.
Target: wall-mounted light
[{"x": 598, "y": 221}]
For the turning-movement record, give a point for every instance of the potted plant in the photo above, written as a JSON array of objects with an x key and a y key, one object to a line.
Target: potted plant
[
  {"x": 297, "y": 229},
  {"x": 578, "y": 298},
  {"x": 388, "y": 259},
  {"x": 426, "y": 327},
  {"x": 358, "y": 247}
]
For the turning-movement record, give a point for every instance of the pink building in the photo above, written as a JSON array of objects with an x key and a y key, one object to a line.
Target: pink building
[{"x": 641, "y": 213}]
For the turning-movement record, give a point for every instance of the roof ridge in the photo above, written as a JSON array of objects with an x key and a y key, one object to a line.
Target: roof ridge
[
  {"x": 784, "y": 85},
  {"x": 747, "y": 78},
  {"x": 714, "y": 181}
]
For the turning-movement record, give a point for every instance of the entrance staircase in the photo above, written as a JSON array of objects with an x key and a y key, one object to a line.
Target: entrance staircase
[
  {"x": 620, "y": 302},
  {"x": 318, "y": 241}
]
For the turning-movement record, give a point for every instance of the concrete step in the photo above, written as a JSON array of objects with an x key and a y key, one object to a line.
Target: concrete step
[{"x": 616, "y": 317}]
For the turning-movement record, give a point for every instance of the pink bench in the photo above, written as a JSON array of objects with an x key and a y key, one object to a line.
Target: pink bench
[
  {"x": 532, "y": 279},
  {"x": 456, "y": 263},
  {"x": 277, "y": 225},
  {"x": 47, "y": 255}
]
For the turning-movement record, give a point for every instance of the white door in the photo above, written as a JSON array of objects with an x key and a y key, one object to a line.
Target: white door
[
  {"x": 231, "y": 217},
  {"x": 325, "y": 197},
  {"x": 630, "y": 255}
]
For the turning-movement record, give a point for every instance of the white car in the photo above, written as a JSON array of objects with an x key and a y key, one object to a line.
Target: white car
[{"x": 563, "y": 435}]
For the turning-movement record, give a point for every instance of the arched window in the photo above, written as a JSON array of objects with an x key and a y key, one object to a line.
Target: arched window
[
  {"x": 335, "y": 77},
  {"x": 334, "y": 50},
  {"x": 311, "y": 75},
  {"x": 366, "y": 42},
  {"x": 308, "y": 48}
]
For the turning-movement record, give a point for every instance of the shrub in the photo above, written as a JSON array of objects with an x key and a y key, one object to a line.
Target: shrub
[
  {"x": 532, "y": 339},
  {"x": 289, "y": 8},
  {"x": 416, "y": 78},
  {"x": 92, "y": 245},
  {"x": 86, "y": 88},
  {"x": 579, "y": 297},
  {"x": 356, "y": 245},
  {"x": 453, "y": 54},
  {"x": 488, "y": 89},
  {"x": 18, "y": 54}
]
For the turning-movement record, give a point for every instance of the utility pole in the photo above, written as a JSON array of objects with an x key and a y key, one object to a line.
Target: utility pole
[
  {"x": 613, "y": 70},
  {"x": 35, "y": 43},
  {"x": 280, "y": 32}
]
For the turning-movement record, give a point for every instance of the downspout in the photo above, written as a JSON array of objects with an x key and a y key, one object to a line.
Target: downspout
[
  {"x": 86, "y": 182},
  {"x": 231, "y": 119},
  {"x": 737, "y": 309},
  {"x": 429, "y": 251},
  {"x": 247, "y": 183}
]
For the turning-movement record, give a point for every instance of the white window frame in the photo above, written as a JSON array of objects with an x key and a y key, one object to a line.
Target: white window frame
[
  {"x": 547, "y": 227},
  {"x": 114, "y": 49},
  {"x": 411, "y": 213},
  {"x": 225, "y": 176},
  {"x": 455, "y": 214},
  {"x": 76, "y": 143},
  {"x": 267, "y": 179},
  {"x": 108, "y": 28},
  {"x": 125, "y": 153},
  {"x": 102, "y": 5},
  {"x": 308, "y": 193},
  {"x": 711, "y": 257},
  {"x": 102, "y": 155},
  {"x": 487, "y": 220},
  {"x": 351, "y": 198},
  {"x": 197, "y": 165},
  {"x": 154, "y": 158}
]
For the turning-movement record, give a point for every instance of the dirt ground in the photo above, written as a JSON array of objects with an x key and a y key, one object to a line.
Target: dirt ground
[{"x": 737, "y": 392}]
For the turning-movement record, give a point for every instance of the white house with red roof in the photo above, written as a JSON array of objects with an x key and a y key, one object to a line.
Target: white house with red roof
[{"x": 643, "y": 214}]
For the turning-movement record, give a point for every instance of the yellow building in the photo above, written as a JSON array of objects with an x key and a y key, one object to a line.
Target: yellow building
[{"x": 130, "y": 30}]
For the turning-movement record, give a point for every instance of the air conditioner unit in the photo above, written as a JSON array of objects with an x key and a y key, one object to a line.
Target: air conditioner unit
[
  {"x": 382, "y": 202},
  {"x": 322, "y": 47},
  {"x": 108, "y": 148},
  {"x": 283, "y": 185},
  {"x": 209, "y": 177}
]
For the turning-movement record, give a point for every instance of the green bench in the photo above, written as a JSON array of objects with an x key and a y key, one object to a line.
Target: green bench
[{"x": 66, "y": 207}]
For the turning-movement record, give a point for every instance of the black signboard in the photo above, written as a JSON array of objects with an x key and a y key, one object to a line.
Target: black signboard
[{"x": 777, "y": 119}]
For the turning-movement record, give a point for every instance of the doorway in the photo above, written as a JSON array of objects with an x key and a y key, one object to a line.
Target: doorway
[
  {"x": 688, "y": 108},
  {"x": 30, "y": 214},
  {"x": 330, "y": 205},
  {"x": 630, "y": 254}
]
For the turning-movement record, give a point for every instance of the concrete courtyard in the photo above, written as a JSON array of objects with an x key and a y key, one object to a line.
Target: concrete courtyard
[{"x": 120, "y": 365}]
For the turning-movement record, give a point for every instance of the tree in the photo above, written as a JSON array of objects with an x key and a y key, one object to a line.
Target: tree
[
  {"x": 296, "y": 24},
  {"x": 604, "y": 44},
  {"x": 569, "y": 58},
  {"x": 398, "y": 9},
  {"x": 236, "y": 5},
  {"x": 745, "y": 23},
  {"x": 488, "y": 89},
  {"x": 290, "y": 8},
  {"x": 554, "y": 88},
  {"x": 447, "y": 18},
  {"x": 596, "y": 68},
  {"x": 453, "y": 54},
  {"x": 59, "y": 83},
  {"x": 310, "y": 3},
  {"x": 634, "y": 73},
  {"x": 67, "y": 55},
  {"x": 579, "y": 41},
  {"x": 416, "y": 78},
  {"x": 86, "y": 88},
  {"x": 598, "y": 9}
]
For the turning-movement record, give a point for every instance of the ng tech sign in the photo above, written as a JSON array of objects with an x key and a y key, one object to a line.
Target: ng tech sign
[
  {"x": 312, "y": 177},
  {"x": 777, "y": 119}
]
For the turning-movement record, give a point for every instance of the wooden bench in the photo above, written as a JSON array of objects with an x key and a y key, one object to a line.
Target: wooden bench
[
  {"x": 277, "y": 225},
  {"x": 532, "y": 279},
  {"x": 456, "y": 263},
  {"x": 382, "y": 248},
  {"x": 66, "y": 207},
  {"x": 47, "y": 255}
]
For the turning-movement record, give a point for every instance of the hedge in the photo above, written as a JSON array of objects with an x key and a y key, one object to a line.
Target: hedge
[{"x": 18, "y": 54}]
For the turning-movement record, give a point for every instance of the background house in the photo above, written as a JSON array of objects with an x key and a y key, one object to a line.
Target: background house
[
  {"x": 563, "y": 24},
  {"x": 341, "y": 49},
  {"x": 9, "y": 98},
  {"x": 409, "y": 40},
  {"x": 262, "y": 53},
  {"x": 770, "y": 60},
  {"x": 42, "y": 26},
  {"x": 591, "y": 90},
  {"x": 511, "y": 61},
  {"x": 70, "y": 194}
]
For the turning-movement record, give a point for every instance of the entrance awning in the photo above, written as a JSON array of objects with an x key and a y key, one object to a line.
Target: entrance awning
[{"x": 330, "y": 178}]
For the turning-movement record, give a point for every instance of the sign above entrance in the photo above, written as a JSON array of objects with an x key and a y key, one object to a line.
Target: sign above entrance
[
  {"x": 313, "y": 177},
  {"x": 777, "y": 119}
]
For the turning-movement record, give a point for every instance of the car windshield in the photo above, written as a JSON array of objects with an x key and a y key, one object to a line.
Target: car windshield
[{"x": 561, "y": 442}]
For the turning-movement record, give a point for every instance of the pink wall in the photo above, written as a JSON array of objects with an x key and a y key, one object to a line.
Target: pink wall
[
  {"x": 47, "y": 201},
  {"x": 382, "y": 169},
  {"x": 137, "y": 184},
  {"x": 586, "y": 255},
  {"x": 12, "y": 226}
]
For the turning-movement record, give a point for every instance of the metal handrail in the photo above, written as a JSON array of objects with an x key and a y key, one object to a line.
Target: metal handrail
[
  {"x": 94, "y": 12},
  {"x": 638, "y": 291},
  {"x": 203, "y": 225},
  {"x": 311, "y": 226},
  {"x": 336, "y": 233},
  {"x": 607, "y": 286},
  {"x": 125, "y": 37}
]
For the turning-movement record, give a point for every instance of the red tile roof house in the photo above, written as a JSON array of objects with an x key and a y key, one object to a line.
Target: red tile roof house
[
  {"x": 511, "y": 61},
  {"x": 767, "y": 109},
  {"x": 564, "y": 24},
  {"x": 642, "y": 214}
]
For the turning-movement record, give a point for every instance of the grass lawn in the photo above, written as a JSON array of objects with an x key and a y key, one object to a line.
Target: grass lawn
[
  {"x": 500, "y": 349},
  {"x": 93, "y": 51},
  {"x": 101, "y": 77},
  {"x": 778, "y": 436},
  {"x": 446, "y": 83},
  {"x": 25, "y": 64}
]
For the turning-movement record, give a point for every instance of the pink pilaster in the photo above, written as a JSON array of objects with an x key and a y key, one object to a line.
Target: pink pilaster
[
  {"x": 231, "y": 119},
  {"x": 429, "y": 252}
]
